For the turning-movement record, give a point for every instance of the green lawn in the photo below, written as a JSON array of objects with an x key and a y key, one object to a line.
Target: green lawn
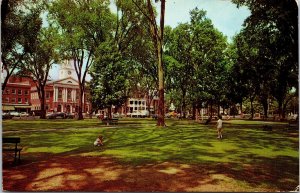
[{"x": 139, "y": 141}]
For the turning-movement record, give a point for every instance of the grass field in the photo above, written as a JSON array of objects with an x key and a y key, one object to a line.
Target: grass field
[{"x": 248, "y": 157}]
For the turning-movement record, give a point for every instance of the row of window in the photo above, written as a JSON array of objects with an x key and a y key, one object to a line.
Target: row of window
[
  {"x": 13, "y": 100},
  {"x": 59, "y": 108},
  {"x": 48, "y": 94},
  {"x": 14, "y": 91},
  {"x": 137, "y": 108},
  {"x": 69, "y": 94},
  {"x": 137, "y": 102}
]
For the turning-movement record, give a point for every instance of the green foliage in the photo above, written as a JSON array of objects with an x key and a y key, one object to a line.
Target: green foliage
[
  {"x": 109, "y": 78},
  {"x": 269, "y": 48},
  {"x": 196, "y": 65},
  {"x": 84, "y": 26},
  {"x": 19, "y": 28},
  {"x": 122, "y": 59}
]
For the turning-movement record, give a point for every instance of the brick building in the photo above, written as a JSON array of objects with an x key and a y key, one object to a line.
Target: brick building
[
  {"x": 61, "y": 95},
  {"x": 16, "y": 96}
]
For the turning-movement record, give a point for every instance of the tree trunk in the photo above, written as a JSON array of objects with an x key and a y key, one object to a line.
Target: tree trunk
[
  {"x": 183, "y": 109},
  {"x": 194, "y": 112},
  {"x": 264, "y": 103},
  {"x": 161, "y": 102},
  {"x": 280, "y": 108},
  {"x": 41, "y": 90},
  {"x": 109, "y": 112},
  {"x": 5, "y": 82},
  {"x": 211, "y": 109},
  {"x": 252, "y": 109},
  {"x": 157, "y": 36},
  {"x": 161, "y": 109},
  {"x": 241, "y": 106},
  {"x": 80, "y": 116}
]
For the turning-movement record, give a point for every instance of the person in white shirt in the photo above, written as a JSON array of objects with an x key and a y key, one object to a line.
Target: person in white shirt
[
  {"x": 219, "y": 127},
  {"x": 99, "y": 141}
]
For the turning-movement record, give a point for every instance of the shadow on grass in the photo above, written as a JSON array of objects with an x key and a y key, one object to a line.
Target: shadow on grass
[
  {"x": 246, "y": 153},
  {"x": 77, "y": 173}
]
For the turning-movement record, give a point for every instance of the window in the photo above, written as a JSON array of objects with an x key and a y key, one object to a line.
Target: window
[
  {"x": 70, "y": 82},
  {"x": 19, "y": 91},
  {"x": 47, "y": 95},
  {"x": 131, "y": 102},
  {"x": 6, "y": 91},
  {"x": 26, "y": 100},
  {"x": 143, "y": 103},
  {"x": 135, "y": 108},
  {"x": 69, "y": 93},
  {"x": 13, "y": 91},
  {"x": 139, "y": 102},
  {"x": 19, "y": 100},
  {"x": 6, "y": 100},
  {"x": 13, "y": 100},
  {"x": 135, "y": 103},
  {"x": 77, "y": 94},
  {"x": 26, "y": 92},
  {"x": 47, "y": 107},
  {"x": 60, "y": 94}
]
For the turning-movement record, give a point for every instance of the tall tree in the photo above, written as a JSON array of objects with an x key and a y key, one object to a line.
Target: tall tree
[
  {"x": 118, "y": 56},
  {"x": 273, "y": 28},
  {"x": 42, "y": 54},
  {"x": 108, "y": 85},
  {"x": 13, "y": 19},
  {"x": 196, "y": 52},
  {"x": 84, "y": 25},
  {"x": 157, "y": 33}
]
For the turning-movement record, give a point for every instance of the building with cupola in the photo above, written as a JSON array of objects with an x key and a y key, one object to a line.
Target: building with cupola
[{"x": 62, "y": 95}]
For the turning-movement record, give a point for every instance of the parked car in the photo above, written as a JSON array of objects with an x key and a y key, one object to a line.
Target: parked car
[
  {"x": 61, "y": 115},
  {"x": 24, "y": 114},
  {"x": 7, "y": 116},
  {"x": 15, "y": 114},
  {"x": 69, "y": 116},
  {"x": 51, "y": 116}
]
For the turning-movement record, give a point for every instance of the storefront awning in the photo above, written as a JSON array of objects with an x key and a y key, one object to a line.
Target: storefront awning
[
  {"x": 22, "y": 107},
  {"x": 8, "y": 108}
]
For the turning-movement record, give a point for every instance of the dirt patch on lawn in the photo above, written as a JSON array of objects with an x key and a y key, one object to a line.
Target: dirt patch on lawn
[{"x": 77, "y": 173}]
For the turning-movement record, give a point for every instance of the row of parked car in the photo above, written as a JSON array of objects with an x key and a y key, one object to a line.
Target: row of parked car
[
  {"x": 10, "y": 115},
  {"x": 62, "y": 115}
]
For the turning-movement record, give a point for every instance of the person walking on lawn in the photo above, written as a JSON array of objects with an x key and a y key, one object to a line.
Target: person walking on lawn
[{"x": 219, "y": 127}]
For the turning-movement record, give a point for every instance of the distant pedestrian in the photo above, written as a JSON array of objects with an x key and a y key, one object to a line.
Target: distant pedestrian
[{"x": 219, "y": 127}]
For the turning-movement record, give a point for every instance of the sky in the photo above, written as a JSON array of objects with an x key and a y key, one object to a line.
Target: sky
[{"x": 225, "y": 16}]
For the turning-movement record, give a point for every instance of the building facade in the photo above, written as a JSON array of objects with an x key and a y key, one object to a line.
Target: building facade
[
  {"x": 16, "y": 95},
  {"x": 61, "y": 95}
]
